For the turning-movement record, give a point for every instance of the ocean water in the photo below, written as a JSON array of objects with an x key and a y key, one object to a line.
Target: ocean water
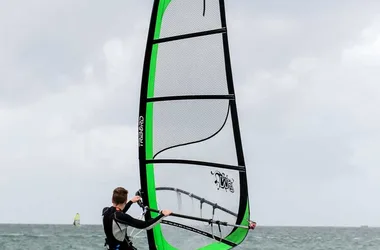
[{"x": 90, "y": 237}]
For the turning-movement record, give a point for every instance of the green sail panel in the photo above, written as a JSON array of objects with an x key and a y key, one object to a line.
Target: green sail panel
[{"x": 190, "y": 151}]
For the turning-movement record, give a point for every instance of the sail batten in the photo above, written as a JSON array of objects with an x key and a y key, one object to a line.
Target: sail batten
[
  {"x": 190, "y": 35},
  {"x": 189, "y": 138},
  {"x": 199, "y": 163},
  {"x": 190, "y": 97}
]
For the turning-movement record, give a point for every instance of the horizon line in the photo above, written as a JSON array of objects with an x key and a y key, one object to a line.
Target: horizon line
[{"x": 258, "y": 225}]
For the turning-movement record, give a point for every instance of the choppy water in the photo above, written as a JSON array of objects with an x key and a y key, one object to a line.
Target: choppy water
[{"x": 46, "y": 237}]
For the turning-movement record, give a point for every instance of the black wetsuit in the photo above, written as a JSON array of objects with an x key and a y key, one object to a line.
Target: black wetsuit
[{"x": 115, "y": 224}]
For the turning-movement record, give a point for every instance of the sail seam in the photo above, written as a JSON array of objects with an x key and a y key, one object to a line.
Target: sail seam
[{"x": 197, "y": 141}]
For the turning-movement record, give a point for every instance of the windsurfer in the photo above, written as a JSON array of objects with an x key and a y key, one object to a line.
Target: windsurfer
[
  {"x": 116, "y": 221},
  {"x": 252, "y": 225}
]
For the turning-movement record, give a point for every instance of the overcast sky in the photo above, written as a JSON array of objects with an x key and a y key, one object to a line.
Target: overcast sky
[{"x": 307, "y": 84}]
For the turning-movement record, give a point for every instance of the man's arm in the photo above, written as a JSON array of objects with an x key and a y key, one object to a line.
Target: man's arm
[
  {"x": 130, "y": 202},
  {"x": 127, "y": 206},
  {"x": 140, "y": 224}
]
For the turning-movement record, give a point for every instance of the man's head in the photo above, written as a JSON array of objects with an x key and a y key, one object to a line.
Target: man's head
[
  {"x": 120, "y": 196},
  {"x": 252, "y": 225}
]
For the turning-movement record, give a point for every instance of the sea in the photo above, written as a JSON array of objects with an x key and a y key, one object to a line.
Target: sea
[{"x": 91, "y": 237}]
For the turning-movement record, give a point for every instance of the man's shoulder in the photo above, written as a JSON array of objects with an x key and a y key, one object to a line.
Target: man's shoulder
[{"x": 107, "y": 210}]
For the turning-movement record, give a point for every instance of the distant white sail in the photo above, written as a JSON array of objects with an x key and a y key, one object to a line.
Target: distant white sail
[{"x": 76, "y": 220}]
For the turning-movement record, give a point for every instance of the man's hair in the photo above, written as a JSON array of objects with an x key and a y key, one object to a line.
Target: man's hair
[{"x": 120, "y": 195}]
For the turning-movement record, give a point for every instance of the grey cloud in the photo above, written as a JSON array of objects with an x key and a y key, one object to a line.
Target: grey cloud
[
  {"x": 50, "y": 40},
  {"x": 272, "y": 33}
]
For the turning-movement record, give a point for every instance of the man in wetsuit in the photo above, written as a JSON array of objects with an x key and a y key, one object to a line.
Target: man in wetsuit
[
  {"x": 116, "y": 221},
  {"x": 252, "y": 225}
]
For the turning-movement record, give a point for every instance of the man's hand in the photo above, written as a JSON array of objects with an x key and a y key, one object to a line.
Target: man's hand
[
  {"x": 136, "y": 199},
  {"x": 166, "y": 212}
]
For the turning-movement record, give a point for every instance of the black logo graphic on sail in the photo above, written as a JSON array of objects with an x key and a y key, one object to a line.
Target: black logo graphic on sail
[
  {"x": 141, "y": 131},
  {"x": 223, "y": 182}
]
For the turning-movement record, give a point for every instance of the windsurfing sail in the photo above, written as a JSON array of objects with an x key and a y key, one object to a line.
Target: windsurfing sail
[
  {"x": 76, "y": 220},
  {"x": 190, "y": 151}
]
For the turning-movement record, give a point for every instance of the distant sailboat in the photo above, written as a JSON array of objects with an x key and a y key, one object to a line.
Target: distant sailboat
[{"x": 76, "y": 220}]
